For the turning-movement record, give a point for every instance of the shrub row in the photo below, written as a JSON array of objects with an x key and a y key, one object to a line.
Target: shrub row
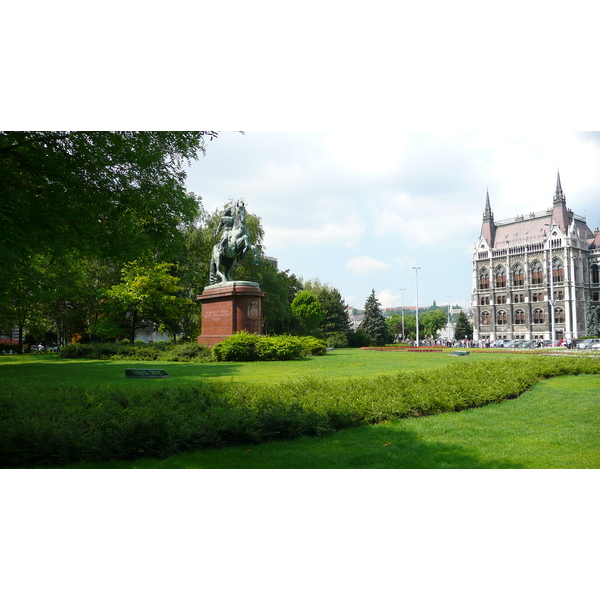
[
  {"x": 141, "y": 352},
  {"x": 41, "y": 426},
  {"x": 245, "y": 347},
  {"x": 242, "y": 346},
  {"x": 8, "y": 346}
]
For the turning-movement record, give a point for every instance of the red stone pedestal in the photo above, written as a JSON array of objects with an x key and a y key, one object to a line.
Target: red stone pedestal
[{"x": 228, "y": 308}]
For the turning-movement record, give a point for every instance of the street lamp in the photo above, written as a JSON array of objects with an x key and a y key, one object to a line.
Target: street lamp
[
  {"x": 448, "y": 317},
  {"x": 402, "y": 290},
  {"x": 417, "y": 277},
  {"x": 552, "y": 300}
]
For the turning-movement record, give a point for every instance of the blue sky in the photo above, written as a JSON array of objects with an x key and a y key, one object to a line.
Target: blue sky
[{"x": 359, "y": 212}]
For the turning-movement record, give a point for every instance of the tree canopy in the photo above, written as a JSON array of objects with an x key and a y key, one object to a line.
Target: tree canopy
[
  {"x": 97, "y": 192},
  {"x": 308, "y": 310}
]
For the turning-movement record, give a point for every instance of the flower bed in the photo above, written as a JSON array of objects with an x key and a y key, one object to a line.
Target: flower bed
[{"x": 403, "y": 349}]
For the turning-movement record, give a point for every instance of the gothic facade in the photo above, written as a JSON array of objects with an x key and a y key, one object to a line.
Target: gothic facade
[{"x": 537, "y": 276}]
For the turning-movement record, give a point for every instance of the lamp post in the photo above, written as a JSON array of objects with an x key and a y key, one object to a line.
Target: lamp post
[
  {"x": 448, "y": 317},
  {"x": 402, "y": 290},
  {"x": 552, "y": 300},
  {"x": 417, "y": 278}
]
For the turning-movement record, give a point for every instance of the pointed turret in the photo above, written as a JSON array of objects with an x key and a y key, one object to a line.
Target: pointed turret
[
  {"x": 488, "y": 215},
  {"x": 559, "y": 195},
  {"x": 488, "y": 229},
  {"x": 560, "y": 214}
]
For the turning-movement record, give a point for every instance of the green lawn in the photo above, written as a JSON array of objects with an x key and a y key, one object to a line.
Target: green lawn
[
  {"x": 341, "y": 363},
  {"x": 556, "y": 425}
]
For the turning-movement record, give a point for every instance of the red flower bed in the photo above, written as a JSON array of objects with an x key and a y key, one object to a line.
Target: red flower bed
[{"x": 403, "y": 349}]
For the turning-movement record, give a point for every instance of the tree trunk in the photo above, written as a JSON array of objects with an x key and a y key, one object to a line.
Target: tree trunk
[{"x": 133, "y": 321}]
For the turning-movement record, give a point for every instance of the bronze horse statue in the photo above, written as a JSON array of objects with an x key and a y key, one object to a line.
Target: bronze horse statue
[{"x": 234, "y": 243}]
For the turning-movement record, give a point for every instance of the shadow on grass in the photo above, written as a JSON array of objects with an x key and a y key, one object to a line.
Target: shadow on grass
[
  {"x": 386, "y": 446},
  {"x": 101, "y": 372}
]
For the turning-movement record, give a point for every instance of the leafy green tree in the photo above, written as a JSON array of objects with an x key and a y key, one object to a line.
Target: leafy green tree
[
  {"x": 281, "y": 287},
  {"x": 149, "y": 293},
  {"x": 464, "y": 329},
  {"x": 431, "y": 322},
  {"x": 25, "y": 290},
  {"x": 336, "y": 318},
  {"x": 308, "y": 310},
  {"x": 374, "y": 323},
  {"x": 394, "y": 325},
  {"x": 100, "y": 193},
  {"x": 109, "y": 197}
]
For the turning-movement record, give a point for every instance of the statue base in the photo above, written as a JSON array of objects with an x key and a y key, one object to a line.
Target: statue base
[{"x": 230, "y": 307}]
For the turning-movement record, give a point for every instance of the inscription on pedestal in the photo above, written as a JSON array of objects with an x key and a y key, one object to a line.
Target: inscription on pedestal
[{"x": 227, "y": 309}]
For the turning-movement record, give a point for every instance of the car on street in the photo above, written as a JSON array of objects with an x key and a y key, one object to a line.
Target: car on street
[{"x": 587, "y": 344}]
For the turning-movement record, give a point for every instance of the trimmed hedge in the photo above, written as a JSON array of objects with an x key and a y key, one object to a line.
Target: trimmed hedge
[
  {"x": 191, "y": 352},
  {"x": 247, "y": 347},
  {"x": 45, "y": 425}
]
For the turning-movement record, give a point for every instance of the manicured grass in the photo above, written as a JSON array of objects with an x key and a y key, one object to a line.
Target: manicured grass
[
  {"x": 56, "y": 411},
  {"x": 555, "y": 425},
  {"x": 340, "y": 364}
]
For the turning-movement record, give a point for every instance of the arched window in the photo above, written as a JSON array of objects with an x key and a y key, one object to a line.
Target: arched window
[
  {"x": 595, "y": 274},
  {"x": 484, "y": 279},
  {"x": 558, "y": 271},
  {"x": 519, "y": 317},
  {"x": 485, "y": 318},
  {"x": 538, "y": 316},
  {"x": 501, "y": 318},
  {"x": 500, "y": 277},
  {"x": 518, "y": 275},
  {"x": 559, "y": 315},
  {"x": 537, "y": 273}
]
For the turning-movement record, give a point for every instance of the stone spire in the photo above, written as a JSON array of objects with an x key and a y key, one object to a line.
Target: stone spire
[
  {"x": 488, "y": 215},
  {"x": 559, "y": 195},
  {"x": 560, "y": 214},
  {"x": 488, "y": 229}
]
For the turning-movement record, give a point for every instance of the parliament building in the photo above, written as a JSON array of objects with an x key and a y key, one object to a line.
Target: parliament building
[{"x": 536, "y": 275}]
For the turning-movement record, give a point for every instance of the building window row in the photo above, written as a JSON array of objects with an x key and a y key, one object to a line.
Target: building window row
[
  {"x": 538, "y": 317},
  {"x": 518, "y": 275}
]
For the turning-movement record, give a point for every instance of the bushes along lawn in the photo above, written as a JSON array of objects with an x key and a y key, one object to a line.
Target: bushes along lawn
[{"x": 59, "y": 424}]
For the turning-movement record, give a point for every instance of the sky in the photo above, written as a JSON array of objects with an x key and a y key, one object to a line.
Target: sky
[{"x": 361, "y": 212}]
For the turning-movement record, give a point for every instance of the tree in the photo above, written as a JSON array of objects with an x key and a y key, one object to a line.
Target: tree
[
  {"x": 281, "y": 288},
  {"x": 394, "y": 325},
  {"x": 374, "y": 323},
  {"x": 431, "y": 322},
  {"x": 410, "y": 327},
  {"x": 308, "y": 310},
  {"x": 149, "y": 293},
  {"x": 100, "y": 193},
  {"x": 96, "y": 196},
  {"x": 25, "y": 289},
  {"x": 464, "y": 329},
  {"x": 335, "y": 319}
]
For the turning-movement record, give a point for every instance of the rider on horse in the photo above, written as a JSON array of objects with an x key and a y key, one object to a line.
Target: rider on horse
[{"x": 226, "y": 225}]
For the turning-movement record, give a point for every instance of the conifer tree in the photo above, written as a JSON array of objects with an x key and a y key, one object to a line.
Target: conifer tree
[
  {"x": 464, "y": 329},
  {"x": 374, "y": 323}
]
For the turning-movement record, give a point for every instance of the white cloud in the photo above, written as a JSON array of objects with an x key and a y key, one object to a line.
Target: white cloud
[
  {"x": 381, "y": 154},
  {"x": 388, "y": 299},
  {"x": 347, "y": 232},
  {"x": 364, "y": 265}
]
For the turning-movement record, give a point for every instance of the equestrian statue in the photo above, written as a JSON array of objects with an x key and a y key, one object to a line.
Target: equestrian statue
[{"x": 233, "y": 245}]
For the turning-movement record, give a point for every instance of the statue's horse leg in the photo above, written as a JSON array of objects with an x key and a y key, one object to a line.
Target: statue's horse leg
[{"x": 215, "y": 266}]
